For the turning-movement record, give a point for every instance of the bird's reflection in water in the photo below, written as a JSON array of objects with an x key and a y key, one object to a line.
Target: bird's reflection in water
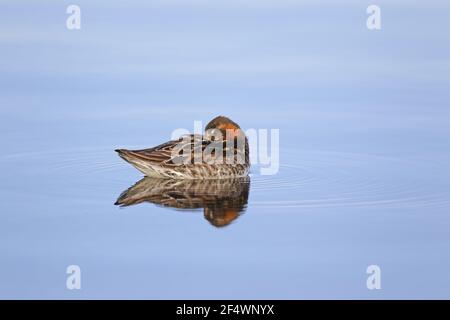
[{"x": 223, "y": 201}]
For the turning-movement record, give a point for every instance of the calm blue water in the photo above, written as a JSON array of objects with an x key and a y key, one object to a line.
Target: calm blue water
[{"x": 364, "y": 119}]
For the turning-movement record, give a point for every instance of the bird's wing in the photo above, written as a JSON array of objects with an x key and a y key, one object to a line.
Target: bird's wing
[
  {"x": 172, "y": 152},
  {"x": 190, "y": 149}
]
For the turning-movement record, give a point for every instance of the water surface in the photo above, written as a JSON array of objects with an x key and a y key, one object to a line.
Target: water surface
[{"x": 364, "y": 129}]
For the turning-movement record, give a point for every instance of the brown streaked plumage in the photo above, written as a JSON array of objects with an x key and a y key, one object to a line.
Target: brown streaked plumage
[
  {"x": 196, "y": 156},
  {"x": 223, "y": 201}
]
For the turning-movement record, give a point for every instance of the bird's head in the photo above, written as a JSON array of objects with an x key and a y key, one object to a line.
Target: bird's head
[{"x": 223, "y": 128}]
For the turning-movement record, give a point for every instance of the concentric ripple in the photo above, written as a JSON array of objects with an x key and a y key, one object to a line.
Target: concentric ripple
[
  {"x": 336, "y": 179},
  {"x": 306, "y": 178}
]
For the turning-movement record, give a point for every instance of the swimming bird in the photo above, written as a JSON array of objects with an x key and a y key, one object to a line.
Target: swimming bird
[{"x": 221, "y": 152}]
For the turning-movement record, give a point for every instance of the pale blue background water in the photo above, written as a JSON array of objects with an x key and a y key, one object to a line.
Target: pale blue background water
[{"x": 364, "y": 121}]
